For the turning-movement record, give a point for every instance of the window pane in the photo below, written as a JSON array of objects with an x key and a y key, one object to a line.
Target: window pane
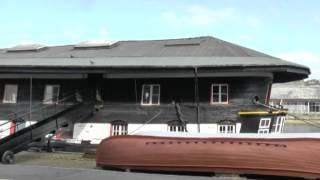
[
  {"x": 155, "y": 94},
  {"x": 51, "y": 94},
  {"x": 219, "y": 93},
  {"x": 55, "y": 93},
  {"x": 146, "y": 94},
  {"x": 10, "y": 93},
  {"x": 267, "y": 123},
  {"x": 224, "y": 98},
  {"x": 215, "y": 89},
  {"x": 224, "y": 89},
  {"x": 215, "y": 98},
  {"x": 48, "y": 94},
  {"x": 156, "y": 89},
  {"x": 314, "y": 107},
  {"x": 155, "y": 99}
]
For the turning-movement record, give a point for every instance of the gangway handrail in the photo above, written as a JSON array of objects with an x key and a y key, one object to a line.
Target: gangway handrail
[
  {"x": 41, "y": 103},
  {"x": 15, "y": 116},
  {"x": 45, "y": 106}
]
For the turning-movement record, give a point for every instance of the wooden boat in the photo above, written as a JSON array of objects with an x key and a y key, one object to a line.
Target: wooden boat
[{"x": 285, "y": 155}]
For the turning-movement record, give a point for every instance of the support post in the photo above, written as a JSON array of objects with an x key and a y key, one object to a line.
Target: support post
[
  {"x": 196, "y": 96},
  {"x": 30, "y": 106},
  {"x": 136, "y": 90},
  {"x": 30, "y": 101}
]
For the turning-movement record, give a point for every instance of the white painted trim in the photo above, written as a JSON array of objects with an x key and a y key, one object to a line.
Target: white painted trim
[
  {"x": 51, "y": 100},
  {"x": 151, "y": 94},
  {"x": 219, "y": 94},
  {"x": 176, "y": 128},
  {"x": 225, "y": 127},
  {"x": 264, "y": 120},
  {"x": 13, "y": 98},
  {"x": 118, "y": 129},
  {"x": 278, "y": 124},
  {"x": 238, "y": 127},
  {"x": 241, "y": 135},
  {"x": 263, "y": 131}
]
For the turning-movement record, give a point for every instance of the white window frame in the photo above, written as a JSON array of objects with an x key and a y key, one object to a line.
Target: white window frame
[
  {"x": 264, "y": 123},
  {"x": 219, "y": 94},
  {"x": 263, "y": 131},
  {"x": 225, "y": 128},
  {"x": 150, "y": 103},
  {"x": 264, "y": 126},
  {"x": 13, "y": 99},
  {"x": 119, "y": 129},
  {"x": 176, "y": 128},
  {"x": 50, "y": 101},
  {"x": 278, "y": 125}
]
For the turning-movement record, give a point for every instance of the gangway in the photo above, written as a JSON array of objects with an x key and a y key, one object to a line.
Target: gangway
[{"x": 49, "y": 118}]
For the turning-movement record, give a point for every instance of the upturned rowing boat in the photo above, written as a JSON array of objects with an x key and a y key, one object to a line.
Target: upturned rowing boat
[{"x": 279, "y": 155}]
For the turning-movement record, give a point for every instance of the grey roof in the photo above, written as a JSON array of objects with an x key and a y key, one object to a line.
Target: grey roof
[
  {"x": 207, "y": 47},
  {"x": 187, "y": 52},
  {"x": 147, "y": 62},
  {"x": 296, "y": 90}
]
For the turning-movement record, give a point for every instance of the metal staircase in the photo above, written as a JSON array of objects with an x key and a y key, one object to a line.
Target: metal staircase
[{"x": 48, "y": 117}]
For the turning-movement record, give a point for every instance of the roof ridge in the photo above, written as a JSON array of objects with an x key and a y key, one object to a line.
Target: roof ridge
[{"x": 188, "y": 38}]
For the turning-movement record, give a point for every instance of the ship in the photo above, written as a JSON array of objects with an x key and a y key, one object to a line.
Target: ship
[{"x": 289, "y": 155}]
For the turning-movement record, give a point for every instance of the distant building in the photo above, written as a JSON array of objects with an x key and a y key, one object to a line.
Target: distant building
[{"x": 302, "y": 99}]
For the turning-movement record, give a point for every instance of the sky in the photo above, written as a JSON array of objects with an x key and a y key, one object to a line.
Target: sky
[{"x": 289, "y": 29}]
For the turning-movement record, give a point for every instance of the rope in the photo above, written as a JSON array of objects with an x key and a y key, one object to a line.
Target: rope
[
  {"x": 317, "y": 125},
  {"x": 155, "y": 116}
]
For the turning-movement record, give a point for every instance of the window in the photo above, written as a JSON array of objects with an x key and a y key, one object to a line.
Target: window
[
  {"x": 176, "y": 126},
  {"x": 10, "y": 93},
  {"x": 277, "y": 126},
  {"x": 226, "y": 129},
  {"x": 314, "y": 106},
  {"x": 263, "y": 131},
  {"x": 219, "y": 93},
  {"x": 150, "y": 94},
  {"x": 264, "y": 125},
  {"x": 119, "y": 128},
  {"x": 51, "y": 94}
]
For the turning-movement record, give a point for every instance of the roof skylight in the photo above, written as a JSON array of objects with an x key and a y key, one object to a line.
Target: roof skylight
[
  {"x": 183, "y": 42},
  {"x": 27, "y": 47},
  {"x": 96, "y": 44}
]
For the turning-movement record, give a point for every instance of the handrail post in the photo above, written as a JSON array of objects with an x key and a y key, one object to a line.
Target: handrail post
[{"x": 30, "y": 101}]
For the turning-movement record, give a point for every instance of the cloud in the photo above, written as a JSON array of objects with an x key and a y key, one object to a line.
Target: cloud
[
  {"x": 310, "y": 59},
  {"x": 253, "y": 21},
  {"x": 197, "y": 15},
  {"x": 72, "y": 35},
  {"x": 203, "y": 16}
]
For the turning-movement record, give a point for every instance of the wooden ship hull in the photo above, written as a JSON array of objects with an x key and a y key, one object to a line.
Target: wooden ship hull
[{"x": 293, "y": 157}]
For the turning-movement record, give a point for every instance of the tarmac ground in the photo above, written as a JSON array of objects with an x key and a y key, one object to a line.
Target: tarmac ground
[{"x": 76, "y": 166}]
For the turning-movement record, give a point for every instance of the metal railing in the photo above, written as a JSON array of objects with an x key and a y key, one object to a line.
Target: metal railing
[{"x": 45, "y": 110}]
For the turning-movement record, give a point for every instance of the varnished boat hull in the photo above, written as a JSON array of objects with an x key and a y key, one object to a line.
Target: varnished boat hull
[{"x": 297, "y": 157}]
